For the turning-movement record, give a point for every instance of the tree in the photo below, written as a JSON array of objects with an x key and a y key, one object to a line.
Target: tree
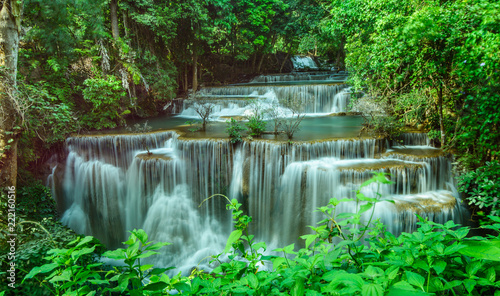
[
  {"x": 204, "y": 109},
  {"x": 11, "y": 13},
  {"x": 297, "y": 109}
]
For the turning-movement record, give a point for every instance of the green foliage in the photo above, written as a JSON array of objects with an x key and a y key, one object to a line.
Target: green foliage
[
  {"x": 104, "y": 96},
  {"x": 74, "y": 270},
  {"x": 34, "y": 239},
  {"x": 256, "y": 124},
  {"x": 481, "y": 188},
  {"x": 132, "y": 276},
  {"x": 35, "y": 202},
  {"x": 71, "y": 270},
  {"x": 346, "y": 254},
  {"x": 47, "y": 117},
  {"x": 433, "y": 62},
  {"x": 234, "y": 130}
]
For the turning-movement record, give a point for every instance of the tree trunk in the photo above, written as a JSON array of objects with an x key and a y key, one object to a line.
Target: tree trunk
[
  {"x": 195, "y": 69},
  {"x": 10, "y": 25},
  {"x": 113, "y": 7},
  {"x": 441, "y": 119},
  {"x": 284, "y": 62},
  {"x": 125, "y": 23},
  {"x": 260, "y": 63},
  {"x": 186, "y": 86},
  {"x": 254, "y": 61}
]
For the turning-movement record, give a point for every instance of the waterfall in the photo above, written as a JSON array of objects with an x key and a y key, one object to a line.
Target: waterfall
[
  {"x": 234, "y": 100},
  {"x": 112, "y": 185},
  {"x": 298, "y": 76},
  {"x": 300, "y": 62}
]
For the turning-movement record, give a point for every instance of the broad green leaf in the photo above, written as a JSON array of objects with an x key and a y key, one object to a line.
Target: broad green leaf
[
  {"x": 147, "y": 254},
  {"x": 159, "y": 286},
  {"x": 118, "y": 254},
  {"x": 42, "y": 269},
  {"x": 415, "y": 279},
  {"x": 65, "y": 276},
  {"x": 473, "y": 267},
  {"x": 182, "y": 286},
  {"x": 159, "y": 270},
  {"x": 253, "y": 281},
  {"x": 372, "y": 290},
  {"x": 157, "y": 246},
  {"x": 469, "y": 285},
  {"x": 145, "y": 267},
  {"x": 233, "y": 237},
  {"x": 454, "y": 248},
  {"x": 289, "y": 249},
  {"x": 485, "y": 249},
  {"x": 452, "y": 284},
  {"x": 77, "y": 254},
  {"x": 392, "y": 272},
  {"x": 85, "y": 240},
  {"x": 491, "y": 274},
  {"x": 309, "y": 239},
  {"x": 365, "y": 207},
  {"x": 298, "y": 287},
  {"x": 259, "y": 245},
  {"x": 422, "y": 265},
  {"x": 348, "y": 280},
  {"x": 439, "y": 266},
  {"x": 461, "y": 232},
  {"x": 372, "y": 272},
  {"x": 99, "y": 282}
]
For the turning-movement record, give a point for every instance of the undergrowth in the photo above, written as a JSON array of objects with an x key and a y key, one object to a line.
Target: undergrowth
[{"x": 365, "y": 259}]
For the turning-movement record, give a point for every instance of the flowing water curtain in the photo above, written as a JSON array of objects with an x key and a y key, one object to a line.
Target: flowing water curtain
[{"x": 318, "y": 98}]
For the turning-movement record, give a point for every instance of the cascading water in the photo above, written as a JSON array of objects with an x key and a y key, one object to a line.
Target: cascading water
[
  {"x": 160, "y": 182},
  {"x": 303, "y": 63},
  {"x": 234, "y": 100}
]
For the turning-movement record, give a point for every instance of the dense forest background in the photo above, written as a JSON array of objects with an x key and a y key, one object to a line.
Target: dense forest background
[{"x": 88, "y": 65}]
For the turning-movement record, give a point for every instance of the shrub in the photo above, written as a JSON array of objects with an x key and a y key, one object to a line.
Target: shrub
[
  {"x": 234, "y": 130},
  {"x": 256, "y": 125},
  {"x": 104, "y": 96},
  {"x": 437, "y": 259},
  {"x": 481, "y": 188}
]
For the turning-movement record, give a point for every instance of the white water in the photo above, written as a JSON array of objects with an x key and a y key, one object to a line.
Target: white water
[
  {"x": 112, "y": 185},
  {"x": 316, "y": 100},
  {"x": 279, "y": 185},
  {"x": 303, "y": 62}
]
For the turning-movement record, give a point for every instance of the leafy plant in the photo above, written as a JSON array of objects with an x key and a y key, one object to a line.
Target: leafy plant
[
  {"x": 35, "y": 202},
  {"x": 104, "y": 96},
  {"x": 481, "y": 188},
  {"x": 132, "y": 277},
  {"x": 234, "y": 130},
  {"x": 193, "y": 125},
  {"x": 256, "y": 126},
  {"x": 346, "y": 254},
  {"x": 71, "y": 270}
]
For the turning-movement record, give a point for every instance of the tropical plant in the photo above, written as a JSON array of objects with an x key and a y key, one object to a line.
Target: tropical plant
[
  {"x": 481, "y": 189},
  {"x": 104, "y": 95},
  {"x": 346, "y": 254},
  {"x": 234, "y": 130},
  {"x": 256, "y": 124}
]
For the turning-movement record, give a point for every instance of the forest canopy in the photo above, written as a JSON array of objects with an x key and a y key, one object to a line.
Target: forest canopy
[{"x": 88, "y": 65}]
